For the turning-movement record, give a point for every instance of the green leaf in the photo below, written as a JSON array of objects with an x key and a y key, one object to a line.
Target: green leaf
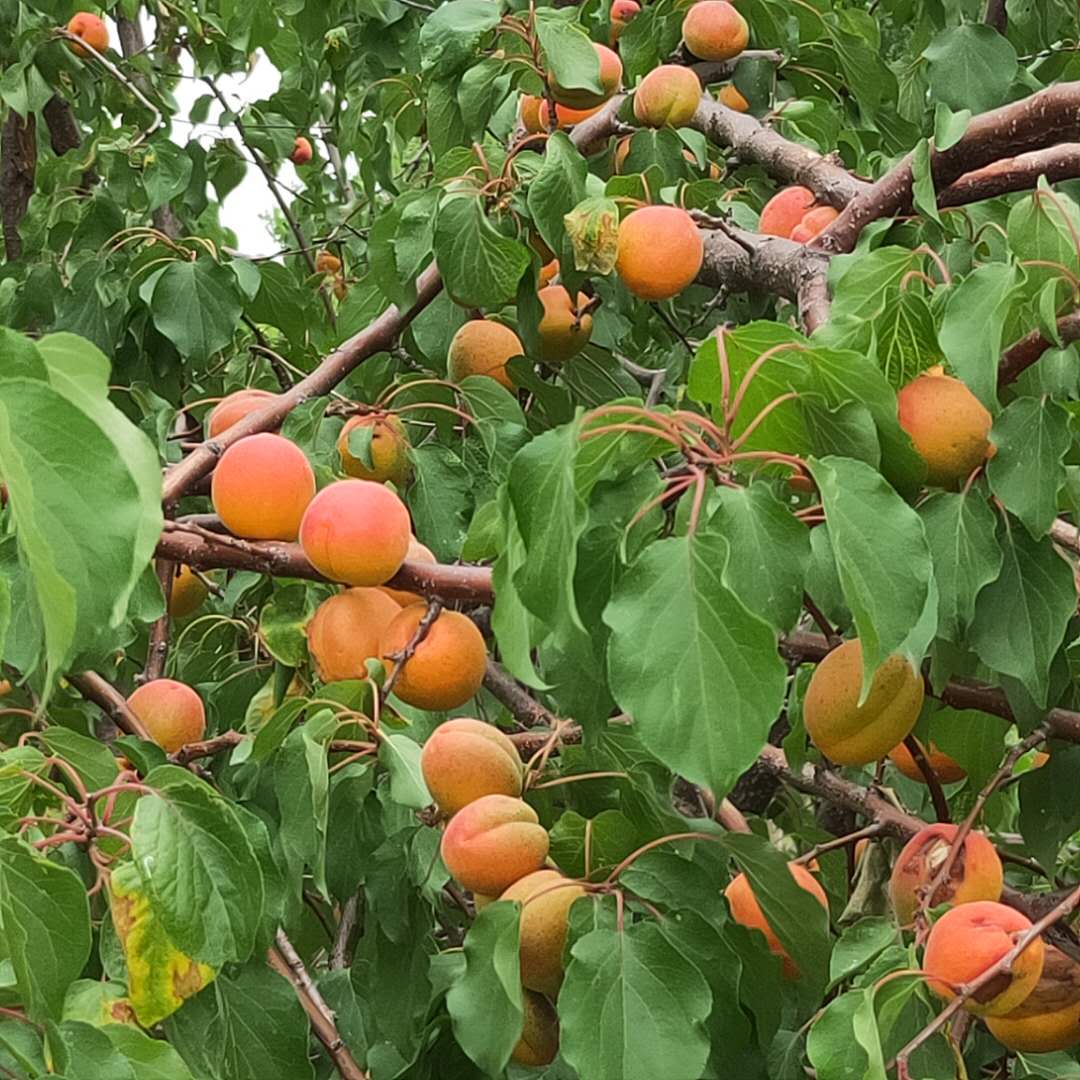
[
  {"x": 924, "y": 196},
  {"x": 1049, "y": 812},
  {"x": 400, "y": 756},
  {"x": 80, "y": 1051},
  {"x": 439, "y": 499},
  {"x": 1043, "y": 228},
  {"x": 557, "y": 188},
  {"x": 859, "y": 944},
  {"x": 90, "y": 758},
  {"x": 971, "y": 67},
  {"x": 166, "y": 172},
  {"x": 197, "y": 306},
  {"x": 568, "y": 53},
  {"x": 606, "y": 838},
  {"x": 845, "y": 1042},
  {"x": 451, "y": 35},
  {"x": 282, "y": 622},
  {"x": 150, "y": 1059},
  {"x": 949, "y": 126}
]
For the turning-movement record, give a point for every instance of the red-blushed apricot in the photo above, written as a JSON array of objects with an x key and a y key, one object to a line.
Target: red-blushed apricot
[
  {"x": 976, "y": 873},
  {"x": 622, "y": 12},
  {"x": 186, "y": 593},
  {"x": 261, "y": 488},
  {"x": 539, "y": 1042},
  {"x": 493, "y": 842},
  {"x": 565, "y": 117},
  {"x": 714, "y": 30},
  {"x": 948, "y": 772},
  {"x": 660, "y": 252},
  {"x": 356, "y": 531},
  {"x": 548, "y": 272},
  {"x": 301, "y": 153},
  {"x": 1049, "y": 1017},
  {"x": 234, "y": 407},
  {"x": 669, "y": 94},
  {"x": 813, "y": 222},
  {"x": 546, "y": 897},
  {"x": 746, "y": 911},
  {"x": 416, "y": 553},
  {"x": 968, "y": 940},
  {"x": 580, "y": 98},
  {"x": 482, "y": 347},
  {"x": 948, "y": 425},
  {"x": 446, "y": 668},
  {"x": 465, "y": 759},
  {"x": 730, "y": 96},
  {"x": 326, "y": 262},
  {"x": 90, "y": 29},
  {"x": 171, "y": 712},
  {"x": 345, "y": 631},
  {"x": 785, "y": 210},
  {"x": 389, "y": 450},
  {"x": 564, "y": 330},
  {"x": 854, "y": 734},
  {"x": 529, "y": 113}
]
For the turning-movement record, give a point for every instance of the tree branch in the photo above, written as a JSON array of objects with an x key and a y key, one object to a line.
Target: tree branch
[
  {"x": 111, "y": 702},
  {"x": 996, "y": 15},
  {"x": 1019, "y": 356},
  {"x": 1019, "y": 173},
  {"x": 18, "y": 164}
]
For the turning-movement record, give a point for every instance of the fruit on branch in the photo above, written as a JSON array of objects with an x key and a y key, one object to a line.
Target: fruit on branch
[
  {"x": 493, "y": 842},
  {"x": 232, "y": 408},
  {"x": 446, "y": 668},
  {"x": 261, "y": 488},
  {"x": 660, "y": 252},
  {"x": 669, "y": 94},
  {"x": 576, "y": 97},
  {"x": 548, "y": 272},
  {"x": 785, "y": 210},
  {"x": 813, "y": 222},
  {"x": 546, "y": 897},
  {"x": 90, "y": 29},
  {"x": 622, "y": 12},
  {"x": 301, "y": 153},
  {"x": 186, "y": 593},
  {"x": 341, "y": 289},
  {"x": 746, "y": 911},
  {"x": 326, "y": 262},
  {"x": 539, "y": 1042},
  {"x": 345, "y": 631},
  {"x": 948, "y": 425},
  {"x": 976, "y": 873},
  {"x": 854, "y": 734},
  {"x": 357, "y": 532},
  {"x": 967, "y": 941},
  {"x": 416, "y": 553},
  {"x": 465, "y": 759},
  {"x": 564, "y": 330},
  {"x": 388, "y": 450},
  {"x": 482, "y": 347},
  {"x": 171, "y": 712},
  {"x": 1049, "y": 1018},
  {"x": 714, "y": 30},
  {"x": 565, "y": 117},
  {"x": 948, "y": 772},
  {"x": 730, "y": 96},
  {"x": 529, "y": 113}
]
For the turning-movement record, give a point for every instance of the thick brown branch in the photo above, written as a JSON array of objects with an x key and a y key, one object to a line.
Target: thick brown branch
[
  {"x": 111, "y": 702},
  {"x": 1014, "y": 174},
  {"x": 1019, "y": 356},
  {"x": 525, "y": 709},
  {"x": 157, "y": 651},
  {"x": 18, "y": 163}
]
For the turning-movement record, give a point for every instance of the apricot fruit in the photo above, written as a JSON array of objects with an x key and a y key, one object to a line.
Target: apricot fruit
[
  {"x": 262, "y": 487},
  {"x": 493, "y": 842},
  {"x": 548, "y": 272},
  {"x": 326, "y": 262},
  {"x": 529, "y": 113},
  {"x": 1049, "y": 1018},
  {"x": 730, "y": 96},
  {"x": 814, "y": 221},
  {"x": 341, "y": 288},
  {"x": 186, "y": 593},
  {"x": 546, "y": 897},
  {"x": 389, "y": 450},
  {"x": 948, "y": 772},
  {"x": 171, "y": 712},
  {"x": 465, "y": 759},
  {"x": 564, "y": 331},
  {"x": 969, "y": 939},
  {"x": 301, "y": 153},
  {"x": 714, "y": 30},
  {"x": 565, "y": 117},
  {"x": 659, "y": 253},
  {"x": 90, "y": 29},
  {"x": 416, "y": 553},
  {"x": 669, "y": 94},
  {"x": 232, "y": 408},
  {"x": 482, "y": 347},
  {"x": 580, "y": 98},
  {"x": 345, "y": 631},
  {"x": 746, "y": 911},
  {"x": 447, "y": 667},
  {"x": 976, "y": 873},
  {"x": 947, "y": 424},
  {"x": 622, "y": 12},
  {"x": 539, "y": 1042},
  {"x": 356, "y": 531},
  {"x": 854, "y": 734},
  {"x": 785, "y": 210}
]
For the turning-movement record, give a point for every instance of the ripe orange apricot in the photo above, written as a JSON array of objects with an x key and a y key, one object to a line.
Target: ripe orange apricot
[
  {"x": 579, "y": 98},
  {"x": 714, "y": 30},
  {"x": 731, "y": 97},
  {"x": 465, "y": 759},
  {"x": 234, "y": 407},
  {"x": 660, "y": 252},
  {"x": 171, "y": 712},
  {"x": 669, "y": 94},
  {"x": 529, "y": 113},
  {"x": 326, "y": 262},
  {"x": 389, "y": 450},
  {"x": 356, "y": 531},
  {"x": 261, "y": 487},
  {"x": 563, "y": 332},
  {"x": 482, "y": 347},
  {"x": 345, "y": 631},
  {"x": 186, "y": 593},
  {"x": 546, "y": 897},
  {"x": 969, "y": 939},
  {"x": 854, "y": 734},
  {"x": 416, "y": 553},
  {"x": 976, "y": 873},
  {"x": 90, "y": 29},
  {"x": 948, "y": 425},
  {"x": 549, "y": 272},
  {"x": 301, "y": 153},
  {"x": 622, "y": 12},
  {"x": 565, "y": 117},
  {"x": 948, "y": 772},
  {"x": 539, "y": 1042},
  {"x": 746, "y": 911},
  {"x": 1049, "y": 1018},
  {"x": 493, "y": 842},
  {"x": 447, "y": 667},
  {"x": 785, "y": 210},
  {"x": 813, "y": 222}
]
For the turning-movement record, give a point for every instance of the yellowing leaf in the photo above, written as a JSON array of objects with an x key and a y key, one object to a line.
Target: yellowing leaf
[{"x": 593, "y": 228}]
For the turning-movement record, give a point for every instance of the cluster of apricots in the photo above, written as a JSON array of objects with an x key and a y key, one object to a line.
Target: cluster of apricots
[
  {"x": 795, "y": 214},
  {"x": 495, "y": 846}
]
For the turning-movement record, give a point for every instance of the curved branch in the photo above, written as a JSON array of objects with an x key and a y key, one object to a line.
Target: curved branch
[
  {"x": 1014, "y": 174},
  {"x": 1019, "y": 356}
]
